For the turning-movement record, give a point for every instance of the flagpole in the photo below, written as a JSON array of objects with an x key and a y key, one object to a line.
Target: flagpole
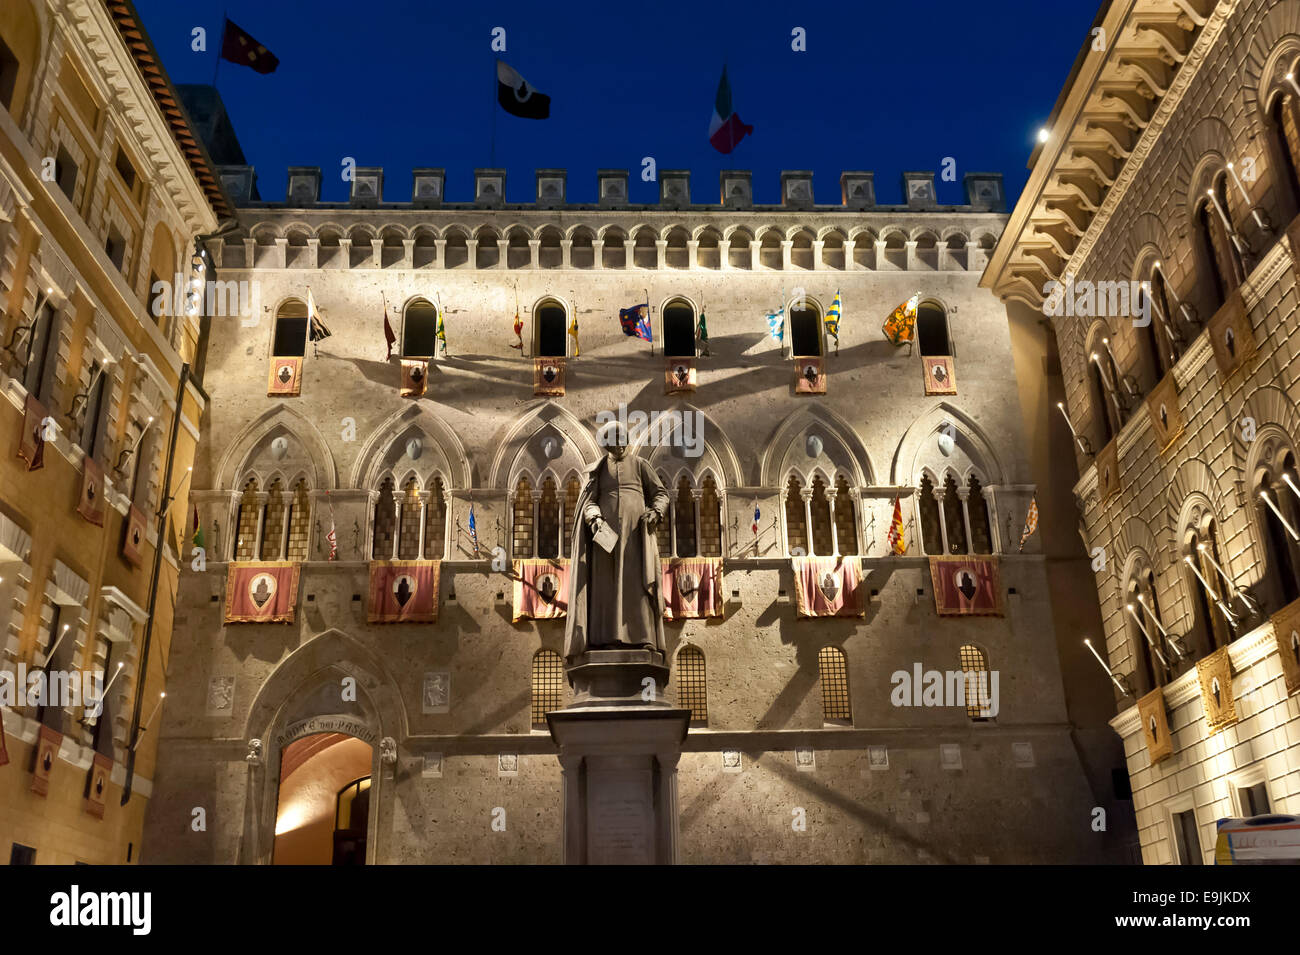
[{"x": 224, "y": 21}]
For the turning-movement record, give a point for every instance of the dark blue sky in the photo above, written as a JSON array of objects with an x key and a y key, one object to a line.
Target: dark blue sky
[{"x": 883, "y": 86}]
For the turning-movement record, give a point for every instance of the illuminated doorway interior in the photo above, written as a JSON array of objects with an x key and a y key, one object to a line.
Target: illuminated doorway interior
[{"x": 324, "y": 801}]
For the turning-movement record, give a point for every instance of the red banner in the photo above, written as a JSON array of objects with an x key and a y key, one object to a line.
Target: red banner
[
  {"x": 134, "y": 535},
  {"x": 262, "y": 591},
  {"x": 810, "y": 376},
  {"x": 101, "y": 770},
  {"x": 940, "y": 376},
  {"x": 31, "y": 443},
  {"x": 541, "y": 589},
  {"x": 679, "y": 376},
  {"x": 286, "y": 377},
  {"x": 692, "y": 588},
  {"x": 828, "y": 586},
  {"x": 548, "y": 377},
  {"x": 91, "y": 506},
  {"x": 47, "y": 751},
  {"x": 966, "y": 586},
  {"x": 404, "y": 591}
]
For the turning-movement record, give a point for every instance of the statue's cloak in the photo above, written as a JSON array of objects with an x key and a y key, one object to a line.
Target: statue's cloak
[{"x": 642, "y": 618}]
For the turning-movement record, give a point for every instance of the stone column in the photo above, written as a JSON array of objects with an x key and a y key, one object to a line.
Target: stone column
[
  {"x": 284, "y": 532},
  {"x": 408, "y": 253},
  {"x": 503, "y": 255},
  {"x": 313, "y": 253},
  {"x": 806, "y": 493},
  {"x": 537, "y": 524},
  {"x": 943, "y": 521},
  {"x": 250, "y": 253},
  {"x": 849, "y": 246},
  {"x": 755, "y": 254},
  {"x": 830, "y": 510},
  {"x": 534, "y": 248},
  {"x": 671, "y": 517},
  {"x": 629, "y": 252},
  {"x": 345, "y": 251},
  {"x": 397, "y": 523},
  {"x": 880, "y": 254},
  {"x": 910, "y": 245},
  {"x": 440, "y": 254},
  {"x": 424, "y": 505},
  {"x": 661, "y": 252},
  {"x": 817, "y": 246},
  {"x": 566, "y": 254},
  {"x": 261, "y": 498},
  {"x": 786, "y": 245},
  {"x": 962, "y": 494},
  {"x": 281, "y": 253},
  {"x": 597, "y": 253},
  {"x": 472, "y": 246},
  {"x": 695, "y": 502},
  {"x": 692, "y": 253},
  {"x": 377, "y": 253},
  {"x": 724, "y": 254}
]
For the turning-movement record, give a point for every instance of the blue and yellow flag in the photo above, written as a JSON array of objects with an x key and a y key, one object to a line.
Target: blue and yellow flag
[
  {"x": 833, "y": 318},
  {"x": 776, "y": 324}
]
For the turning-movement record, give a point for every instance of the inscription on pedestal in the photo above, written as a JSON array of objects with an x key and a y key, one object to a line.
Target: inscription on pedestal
[{"x": 620, "y": 819}]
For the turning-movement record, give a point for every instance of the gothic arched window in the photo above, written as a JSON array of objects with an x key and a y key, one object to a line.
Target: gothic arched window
[
  {"x": 385, "y": 523},
  {"x": 420, "y": 330},
  {"x": 975, "y": 667},
  {"x": 833, "y": 672},
  {"x": 796, "y": 526},
  {"x": 547, "y": 685},
  {"x": 247, "y": 523},
  {"x": 692, "y": 684},
  {"x": 931, "y": 528},
  {"x": 846, "y": 522},
  {"x": 273, "y": 523}
]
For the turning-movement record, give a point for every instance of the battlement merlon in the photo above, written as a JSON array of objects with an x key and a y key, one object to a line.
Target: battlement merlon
[{"x": 984, "y": 191}]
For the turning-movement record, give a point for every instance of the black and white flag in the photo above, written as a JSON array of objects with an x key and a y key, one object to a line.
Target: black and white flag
[{"x": 517, "y": 97}]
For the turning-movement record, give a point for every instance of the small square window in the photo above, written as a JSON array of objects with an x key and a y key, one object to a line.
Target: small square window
[
  {"x": 1254, "y": 800},
  {"x": 115, "y": 246},
  {"x": 65, "y": 172},
  {"x": 22, "y": 855}
]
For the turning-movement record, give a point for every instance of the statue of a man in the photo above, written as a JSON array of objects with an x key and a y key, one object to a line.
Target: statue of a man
[{"x": 614, "y": 599}]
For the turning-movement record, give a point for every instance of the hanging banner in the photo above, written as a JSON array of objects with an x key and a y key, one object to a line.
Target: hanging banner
[
  {"x": 91, "y": 506},
  {"x": 692, "y": 588},
  {"x": 679, "y": 376},
  {"x": 827, "y": 586},
  {"x": 1286, "y": 632},
  {"x": 1231, "y": 335},
  {"x": 1215, "y": 675},
  {"x": 1155, "y": 725},
  {"x": 286, "y": 377},
  {"x": 548, "y": 377},
  {"x": 541, "y": 590},
  {"x": 4, "y": 751},
  {"x": 47, "y": 751},
  {"x": 940, "y": 376},
  {"x": 966, "y": 586},
  {"x": 134, "y": 536},
  {"x": 264, "y": 591},
  {"x": 1166, "y": 418},
  {"x": 415, "y": 377},
  {"x": 101, "y": 770},
  {"x": 404, "y": 591},
  {"x": 31, "y": 442},
  {"x": 1107, "y": 461},
  {"x": 810, "y": 376}
]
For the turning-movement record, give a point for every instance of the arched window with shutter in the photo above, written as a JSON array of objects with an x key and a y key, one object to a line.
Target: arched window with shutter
[
  {"x": 692, "y": 684},
  {"x": 833, "y": 673},
  {"x": 547, "y": 686}
]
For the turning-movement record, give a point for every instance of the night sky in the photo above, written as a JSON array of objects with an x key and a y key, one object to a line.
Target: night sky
[{"x": 883, "y": 86}]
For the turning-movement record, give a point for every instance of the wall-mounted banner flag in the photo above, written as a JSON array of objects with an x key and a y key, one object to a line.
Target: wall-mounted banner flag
[
  {"x": 332, "y": 537},
  {"x": 1215, "y": 675},
  {"x": 776, "y": 324},
  {"x": 442, "y": 333},
  {"x": 758, "y": 515},
  {"x": 1031, "y": 523},
  {"x": 548, "y": 377},
  {"x": 4, "y": 753},
  {"x": 702, "y": 336},
  {"x": 636, "y": 322},
  {"x": 91, "y": 505},
  {"x": 940, "y": 375},
  {"x": 198, "y": 528},
  {"x": 390, "y": 337},
  {"x": 238, "y": 46},
  {"x": 725, "y": 128},
  {"x": 541, "y": 590},
  {"x": 31, "y": 443},
  {"x": 48, "y": 742},
  {"x": 519, "y": 333},
  {"x": 900, "y": 327},
  {"x": 679, "y": 376},
  {"x": 966, "y": 586},
  {"x": 404, "y": 591},
  {"x": 827, "y": 586},
  {"x": 573, "y": 332},
  {"x": 1155, "y": 725},
  {"x": 264, "y": 591},
  {"x": 316, "y": 330},
  {"x": 810, "y": 376},
  {"x": 286, "y": 377},
  {"x": 692, "y": 588},
  {"x": 415, "y": 377},
  {"x": 1286, "y": 634},
  {"x": 518, "y": 98},
  {"x": 133, "y": 536},
  {"x": 833, "y": 319},
  {"x": 101, "y": 769},
  {"x": 473, "y": 528},
  {"x": 896, "y": 543}
]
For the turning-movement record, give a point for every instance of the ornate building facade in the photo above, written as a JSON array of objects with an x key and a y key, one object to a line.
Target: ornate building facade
[
  {"x": 1158, "y": 231},
  {"x": 333, "y": 734},
  {"x": 103, "y": 191}
]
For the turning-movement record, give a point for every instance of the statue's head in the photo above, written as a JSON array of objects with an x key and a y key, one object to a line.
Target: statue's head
[{"x": 613, "y": 438}]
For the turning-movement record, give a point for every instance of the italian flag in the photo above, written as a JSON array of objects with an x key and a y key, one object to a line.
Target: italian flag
[{"x": 725, "y": 129}]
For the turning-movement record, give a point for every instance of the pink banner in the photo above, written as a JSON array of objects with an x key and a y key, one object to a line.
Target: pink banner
[
  {"x": 692, "y": 588},
  {"x": 828, "y": 586},
  {"x": 541, "y": 589}
]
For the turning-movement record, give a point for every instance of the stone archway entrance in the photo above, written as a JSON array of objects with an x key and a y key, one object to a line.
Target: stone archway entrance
[{"x": 323, "y": 800}]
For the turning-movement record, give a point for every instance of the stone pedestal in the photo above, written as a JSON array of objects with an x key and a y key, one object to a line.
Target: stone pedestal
[{"x": 619, "y": 744}]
